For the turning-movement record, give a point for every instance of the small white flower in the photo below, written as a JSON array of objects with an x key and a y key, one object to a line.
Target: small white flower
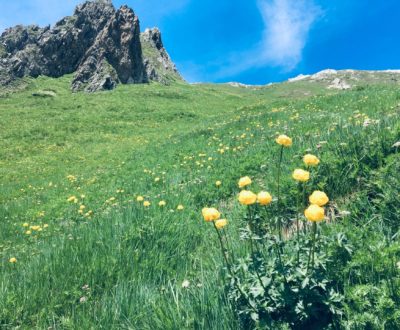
[
  {"x": 185, "y": 284},
  {"x": 396, "y": 145}
]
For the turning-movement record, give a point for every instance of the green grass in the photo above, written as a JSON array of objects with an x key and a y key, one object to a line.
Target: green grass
[{"x": 115, "y": 144}]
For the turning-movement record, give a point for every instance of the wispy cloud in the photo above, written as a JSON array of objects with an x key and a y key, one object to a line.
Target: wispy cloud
[{"x": 287, "y": 24}]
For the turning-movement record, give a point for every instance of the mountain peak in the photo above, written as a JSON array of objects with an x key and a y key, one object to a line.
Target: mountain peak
[{"x": 102, "y": 45}]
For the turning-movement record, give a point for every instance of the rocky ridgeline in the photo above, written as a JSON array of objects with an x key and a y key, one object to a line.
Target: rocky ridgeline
[{"x": 101, "y": 45}]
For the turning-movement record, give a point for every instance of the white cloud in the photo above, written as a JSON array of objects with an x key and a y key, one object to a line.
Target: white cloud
[{"x": 287, "y": 24}]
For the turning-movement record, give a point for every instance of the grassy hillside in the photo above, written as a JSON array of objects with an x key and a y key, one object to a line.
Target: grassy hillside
[{"x": 89, "y": 255}]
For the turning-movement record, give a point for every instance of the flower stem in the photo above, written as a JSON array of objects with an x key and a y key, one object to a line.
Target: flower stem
[
  {"x": 312, "y": 249},
  {"x": 297, "y": 223},
  {"x": 228, "y": 266},
  {"x": 279, "y": 192}
]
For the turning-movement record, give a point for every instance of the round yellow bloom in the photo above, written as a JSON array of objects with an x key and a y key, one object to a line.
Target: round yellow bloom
[
  {"x": 319, "y": 198},
  {"x": 301, "y": 175},
  {"x": 284, "y": 140},
  {"x": 247, "y": 197},
  {"x": 162, "y": 203},
  {"x": 310, "y": 160},
  {"x": 245, "y": 181},
  {"x": 210, "y": 214},
  {"x": 221, "y": 223},
  {"x": 180, "y": 207},
  {"x": 13, "y": 260},
  {"x": 140, "y": 198},
  {"x": 218, "y": 183},
  {"x": 264, "y": 198},
  {"x": 315, "y": 213},
  {"x": 35, "y": 227},
  {"x": 146, "y": 203},
  {"x": 28, "y": 232},
  {"x": 25, "y": 224}
]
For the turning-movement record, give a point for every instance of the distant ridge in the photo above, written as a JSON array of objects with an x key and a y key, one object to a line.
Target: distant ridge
[{"x": 101, "y": 45}]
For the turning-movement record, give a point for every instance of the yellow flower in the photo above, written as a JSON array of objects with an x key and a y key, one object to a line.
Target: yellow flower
[
  {"x": 72, "y": 199},
  {"x": 310, "y": 160},
  {"x": 156, "y": 179},
  {"x": 284, "y": 140},
  {"x": 210, "y": 214},
  {"x": 140, "y": 198},
  {"x": 247, "y": 197},
  {"x": 218, "y": 183},
  {"x": 35, "y": 227},
  {"x": 13, "y": 260},
  {"x": 25, "y": 224},
  {"x": 28, "y": 232},
  {"x": 45, "y": 225},
  {"x": 301, "y": 175},
  {"x": 180, "y": 207},
  {"x": 315, "y": 213},
  {"x": 146, "y": 203},
  {"x": 221, "y": 223},
  {"x": 245, "y": 181},
  {"x": 319, "y": 198},
  {"x": 264, "y": 198},
  {"x": 162, "y": 203},
  {"x": 82, "y": 207}
]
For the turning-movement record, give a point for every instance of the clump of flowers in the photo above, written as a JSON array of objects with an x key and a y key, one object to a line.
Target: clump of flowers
[{"x": 280, "y": 281}]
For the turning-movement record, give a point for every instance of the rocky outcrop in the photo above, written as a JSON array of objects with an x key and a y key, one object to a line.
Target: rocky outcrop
[
  {"x": 100, "y": 44},
  {"x": 158, "y": 64}
]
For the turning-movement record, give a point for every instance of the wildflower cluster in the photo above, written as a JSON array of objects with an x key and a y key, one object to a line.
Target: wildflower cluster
[{"x": 283, "y": 280}]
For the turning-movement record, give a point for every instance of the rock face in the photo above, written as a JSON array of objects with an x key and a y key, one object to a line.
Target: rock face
[{"x": 101, "y": 45}]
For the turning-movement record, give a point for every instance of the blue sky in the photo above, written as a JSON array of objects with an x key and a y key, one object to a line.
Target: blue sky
[{"x": 253, "y": 41}]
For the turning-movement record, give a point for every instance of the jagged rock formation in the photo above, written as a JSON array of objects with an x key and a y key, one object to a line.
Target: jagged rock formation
[
  {"x": 158, "y": 64},
  {"x": 101, "y": 45}
]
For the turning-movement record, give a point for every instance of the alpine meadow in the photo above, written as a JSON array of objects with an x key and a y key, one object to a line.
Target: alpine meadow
[{"x": 131, "y": 199}]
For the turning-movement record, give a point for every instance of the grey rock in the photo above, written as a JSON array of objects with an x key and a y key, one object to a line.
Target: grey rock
[
  {"x": 101, "y": 45},
  {"x": 158, "y": 64}
]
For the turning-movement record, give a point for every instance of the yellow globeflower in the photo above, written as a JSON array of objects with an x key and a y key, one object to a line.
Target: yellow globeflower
[
  {"x": 315, "y": 213},
  {"x": 25, "y": 224},
  {"x": 310, "y": 160},
  {"x": 221, "y": 223},
  {"x": 284, "y": 140},
  {"x": 28, "y": 232},
  {"x": 140, "y": 198},
  {"x": 180, "y": 207},
  {"x": 146, "y": 203},
  {"x": 247, "y": 197},
  {"x": 319, "y": 198},
  {"x": 218, "y": 183},
  {"x": 35, "y": 228},
  {"x": 264, "y": 198},
  {"x": 301, "y": 175},
  {"x": 245, "y": 181},
  {"x": 13, "y": 260},
  {"x": 162, "y": 203},
  {"x": 210, "y": 214}
]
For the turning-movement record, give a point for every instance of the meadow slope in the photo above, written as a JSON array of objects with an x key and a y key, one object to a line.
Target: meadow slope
[{"x": 90, "y": 256}]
